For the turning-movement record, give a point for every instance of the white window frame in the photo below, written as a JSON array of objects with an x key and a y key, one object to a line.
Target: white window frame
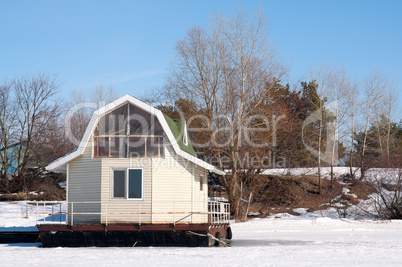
[{"x": 126, "y": 181}]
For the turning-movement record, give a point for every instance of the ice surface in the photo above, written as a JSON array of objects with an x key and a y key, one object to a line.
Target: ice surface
[{"x": 306, "y": 240}]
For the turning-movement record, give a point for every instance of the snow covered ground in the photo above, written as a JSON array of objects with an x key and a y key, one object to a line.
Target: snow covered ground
[
  {"x": 318, "y": 238},
  {"x": 21, "y": 216},
  {"x": 280, "y": 240},
  {"x": 386, "y": 175}
]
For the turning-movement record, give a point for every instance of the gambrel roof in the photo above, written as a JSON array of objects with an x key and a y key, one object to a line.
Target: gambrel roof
[{"x": 170, "y": 127}]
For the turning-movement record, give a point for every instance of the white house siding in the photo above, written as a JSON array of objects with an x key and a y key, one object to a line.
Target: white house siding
[
  {"x": 84, "y": 185},
  {"x": 172, "y": 192},
  {"x": 126, "y": 210},
  {"x": 200, "y": 197}
]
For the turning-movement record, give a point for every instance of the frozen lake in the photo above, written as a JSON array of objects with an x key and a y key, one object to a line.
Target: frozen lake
[{"x": 286, "y": 241}]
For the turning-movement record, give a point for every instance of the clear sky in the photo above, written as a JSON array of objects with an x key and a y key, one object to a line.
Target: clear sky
[{"x": 129, "y": 44}]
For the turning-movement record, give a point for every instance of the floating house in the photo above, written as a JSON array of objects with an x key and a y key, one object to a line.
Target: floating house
[{"x": 135, "y": 179}]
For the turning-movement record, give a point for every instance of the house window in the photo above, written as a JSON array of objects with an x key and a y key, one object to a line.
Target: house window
[
  {"x": 128, "y": 132},
  {"x": 119, "y": 181},
  {"x": 201, "y": 183},
  {"x": 127, "y": 184},
  {"x": 135, "y": 183}
]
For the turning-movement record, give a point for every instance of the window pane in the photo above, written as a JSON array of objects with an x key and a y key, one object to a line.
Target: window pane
[
  {"x": 134, "y": 183},
  {"x": 123, "y": 147},
  {"x": 118, "y": 183},
  {"x": 102, "y": 127},
  {"x": 96, "y": 148},
  {"x": 118, "y": 121},
  {"x": 143, "y": 123},
  {"x": 201, "y": 183},
  {"x": 161, "y": 147},
  {"x": 114, "y": 123},
  {"x": 153, "y": 146},
  {"x": 103, "y": 146},
  {"x": 136, "y": 147},
  {"x": 114, "y": 147},
  {"x": 118, "y": 147}
]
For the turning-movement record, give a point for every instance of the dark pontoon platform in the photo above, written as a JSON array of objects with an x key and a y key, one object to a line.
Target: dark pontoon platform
[{"x": 131, "y": 235}]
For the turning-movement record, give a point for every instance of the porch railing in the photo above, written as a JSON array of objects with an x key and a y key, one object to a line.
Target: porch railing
[{"x": 174, "y": 212}]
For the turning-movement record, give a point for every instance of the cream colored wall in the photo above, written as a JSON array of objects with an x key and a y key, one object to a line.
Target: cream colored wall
[
  {"x": 171, "y": 185},
  {"x": 174, "y": 189},
  {"x": 84, "y": 185},
  {"x": 200, "y": 197},
  {"x": 126, "y": 210}
]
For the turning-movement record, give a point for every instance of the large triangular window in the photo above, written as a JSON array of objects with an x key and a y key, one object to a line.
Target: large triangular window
[{"x": 128, "y": 132}]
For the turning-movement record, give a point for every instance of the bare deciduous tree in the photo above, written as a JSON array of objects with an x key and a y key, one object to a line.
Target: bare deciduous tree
[
  {"x": 227, "y": 72},
  {"x": 8, "y": 114},
  {"x": 28, "y": 107},
  {"x": 102, "y": 95},
  {"x": 324, "y": 80},
  {"x": 83, "y": 106},
  {"x": 388, "y": 200},
  {"x": 37, "y": 109},
  {"x": 390, "y": 112},
  {"x": 352, "y": 112},
  {"x": 374, "y": 88},
  {"x": 248, "y": 64},
  {"x": 339, "y": 111}
]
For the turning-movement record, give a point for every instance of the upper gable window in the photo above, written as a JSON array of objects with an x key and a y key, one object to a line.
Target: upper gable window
[{"x": 128, "y": 132}]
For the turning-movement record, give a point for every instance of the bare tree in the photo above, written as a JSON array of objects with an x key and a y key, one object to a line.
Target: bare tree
[
  {"x": 339, "y": 110},
  {"x": 102, "y": 96},
  {"x": 388, "y": 200},
  {"x": 37, "y": 109},
  {"x": 155, "y": 97},
  {"x": 227, "y": 72},
  {"x": 82, "y": 115},
  {"x": 248, "y": 64},
  {"x": 324, "y": 81},
  {"x": 380, "y": 133},
  {"x": 196, "y": 75},
  {"x": 82, "y": 106},
  {"x": 374, "y": 88},
  {"x": 8, "y": 115},
  {"x": 352, "y": 112},
  {"x": 27, "y": 109},
  {"x": 391, "y": 111}
]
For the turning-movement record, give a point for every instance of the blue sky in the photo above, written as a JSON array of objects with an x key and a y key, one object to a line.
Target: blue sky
[{"x": 129, "y": 44}]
